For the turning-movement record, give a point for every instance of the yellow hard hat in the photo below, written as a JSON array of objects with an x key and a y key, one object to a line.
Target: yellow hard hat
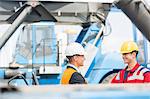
[{"x": 128, "y": 47}]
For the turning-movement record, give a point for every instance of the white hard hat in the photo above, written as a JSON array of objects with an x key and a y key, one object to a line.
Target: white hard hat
[{"x": 74, "y": 48}]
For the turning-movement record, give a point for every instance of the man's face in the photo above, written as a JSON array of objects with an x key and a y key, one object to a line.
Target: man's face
[
  {"x": 80, "y": 60},
  {"x": 128, "y": 57}
]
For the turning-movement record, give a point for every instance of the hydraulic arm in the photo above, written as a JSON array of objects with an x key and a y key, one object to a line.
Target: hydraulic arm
[{"x": 139, "y": 14}]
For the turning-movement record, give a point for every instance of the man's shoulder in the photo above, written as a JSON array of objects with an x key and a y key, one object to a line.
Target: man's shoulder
[
  {"x": 76, "y": 74},
  {"x": 77, "y": 78},
  {"x": 144, "y": 70}
]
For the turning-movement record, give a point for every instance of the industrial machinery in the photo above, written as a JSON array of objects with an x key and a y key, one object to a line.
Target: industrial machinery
[{"x": 40, "y": 53}]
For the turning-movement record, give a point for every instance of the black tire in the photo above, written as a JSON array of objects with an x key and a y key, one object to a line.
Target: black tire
[{"x": 107, "y": 78}]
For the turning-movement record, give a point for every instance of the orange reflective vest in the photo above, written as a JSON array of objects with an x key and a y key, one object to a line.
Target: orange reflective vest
[{"x": 67, "y": 75}]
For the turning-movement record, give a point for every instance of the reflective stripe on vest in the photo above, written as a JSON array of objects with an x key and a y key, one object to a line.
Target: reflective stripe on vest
[
  {"x": 67, "y": 75},
  {"x": 139, "y": 76},
  {"x": 135, "y": 76}
]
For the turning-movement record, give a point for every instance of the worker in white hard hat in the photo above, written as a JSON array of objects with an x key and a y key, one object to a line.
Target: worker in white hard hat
[
  {"x": 133, "y": 72},
  {"x": 75, "y": 55}
]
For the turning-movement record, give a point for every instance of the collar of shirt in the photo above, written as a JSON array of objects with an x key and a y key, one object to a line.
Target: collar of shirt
[
  {"x": 71, "y": 65},
  {"x": 134, "y": 68}
]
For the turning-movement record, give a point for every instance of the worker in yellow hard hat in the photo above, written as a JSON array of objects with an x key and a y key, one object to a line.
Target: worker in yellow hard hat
[
  {"x": 133, "y": 72},
  {"x": 75, "y": 55}
]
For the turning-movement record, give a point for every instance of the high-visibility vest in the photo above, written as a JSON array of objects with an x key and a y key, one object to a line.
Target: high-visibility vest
[
  {"x": 139, "y": 75},
  {"x": 67, "y": 75}
]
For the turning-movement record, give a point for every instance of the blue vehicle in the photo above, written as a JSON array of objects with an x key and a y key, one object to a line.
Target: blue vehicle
[{"x": 40, "y": 53}]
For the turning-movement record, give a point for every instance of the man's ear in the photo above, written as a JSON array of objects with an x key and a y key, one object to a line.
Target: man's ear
[
  {"x": 134, "y": 53},
  {"x": 75, "y": 58}
]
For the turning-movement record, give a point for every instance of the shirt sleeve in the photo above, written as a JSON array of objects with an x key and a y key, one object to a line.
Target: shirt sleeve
[
  {"x": 77, "y": 78},
  {"x": 147, "y": 77}
]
